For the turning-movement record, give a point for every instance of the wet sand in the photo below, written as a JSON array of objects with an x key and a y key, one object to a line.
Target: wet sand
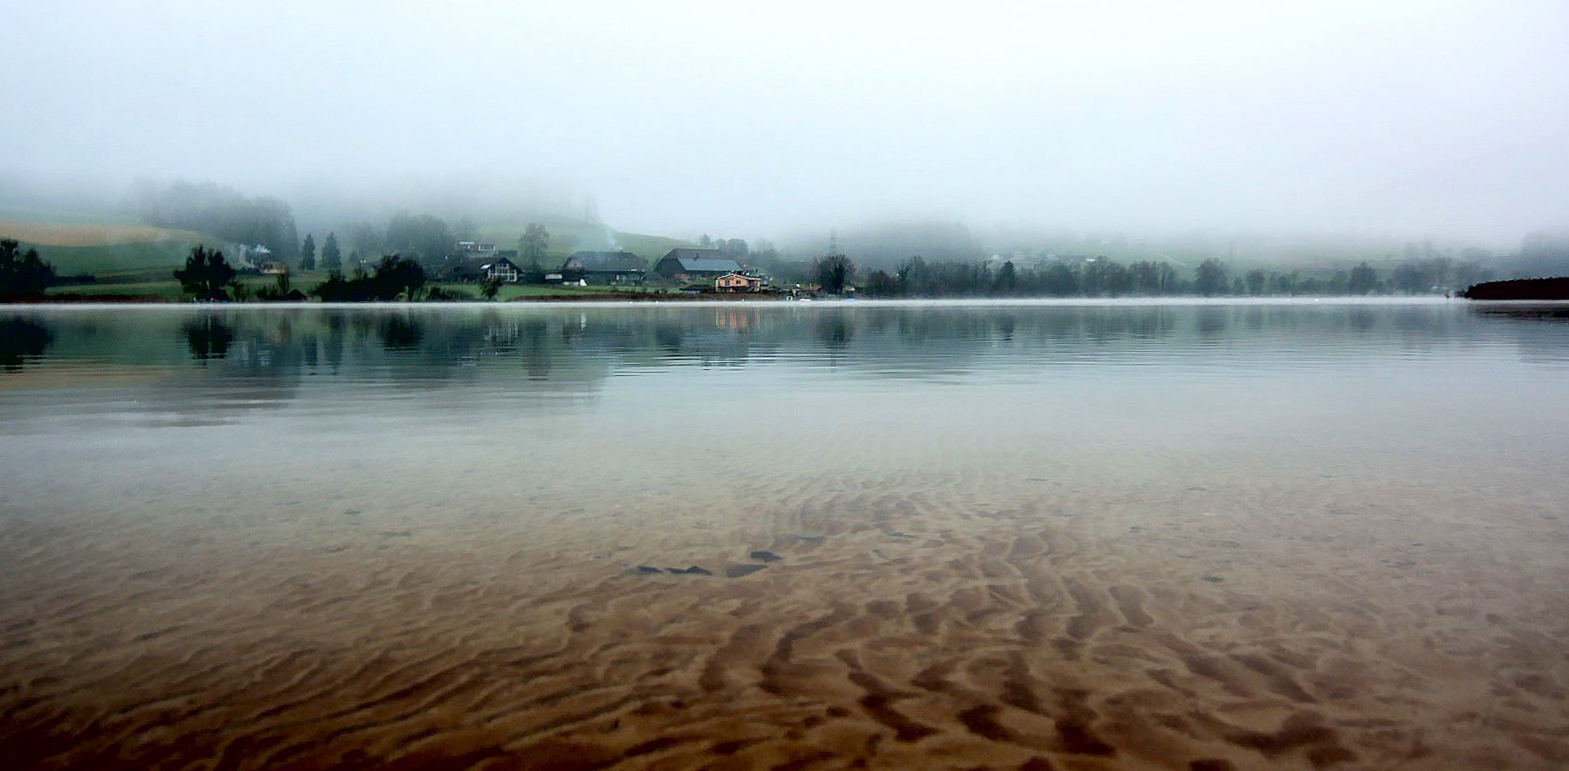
[{"x": 911, "y": 621}]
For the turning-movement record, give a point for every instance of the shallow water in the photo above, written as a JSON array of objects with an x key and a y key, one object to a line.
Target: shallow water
[{"x": 1048, "y": 535}]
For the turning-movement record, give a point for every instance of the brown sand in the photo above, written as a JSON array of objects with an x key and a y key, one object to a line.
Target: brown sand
[{"x": 911, "y": 623}]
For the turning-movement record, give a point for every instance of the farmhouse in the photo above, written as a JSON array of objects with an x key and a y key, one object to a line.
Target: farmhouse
[
  {"x": 695, "y": 264},
  {"x": 623, "y": 268},
  {"x": 476, "y": 248},
  {"x": 736, "y": 282},
  {"x": 481, "y": 269}
]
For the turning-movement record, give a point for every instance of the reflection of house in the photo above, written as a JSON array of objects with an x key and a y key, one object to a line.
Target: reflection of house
[
  {"x": 734, "y": 319},
  {"x": 736, "y": 282},
  {"x": 604, "y": 268},
  {"x": 476, "y": 248},
  {"x": 482, "y": 268},
  {"x": 695, "y": 264}
]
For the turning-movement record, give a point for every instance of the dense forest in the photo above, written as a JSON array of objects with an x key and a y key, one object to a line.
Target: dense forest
[{"x": 222, "y": 212}]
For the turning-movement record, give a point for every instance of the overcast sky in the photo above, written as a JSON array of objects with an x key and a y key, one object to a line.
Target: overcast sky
[{"x": 1386, "y": 117}]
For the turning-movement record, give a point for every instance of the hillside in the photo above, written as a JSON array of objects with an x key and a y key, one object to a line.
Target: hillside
[
  {"x": 111, "y": 244},
  {"x": 77, "y": 242},
  {"x": 568, "y": 236}
]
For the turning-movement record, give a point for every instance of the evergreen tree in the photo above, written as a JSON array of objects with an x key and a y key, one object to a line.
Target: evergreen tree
[
  {"x": 308, "y": 253},
  {"x": 331, "y": 258}
]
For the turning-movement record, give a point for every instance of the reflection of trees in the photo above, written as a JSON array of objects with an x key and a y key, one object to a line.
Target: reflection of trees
[
  {"x": 834, "y": 331},
  {"x": 208, "y": 338},
  {"x": 256, "y": 357},
  {"x": 400, "y": 332},
  {"x": 1213, "y": 320},
  {"x": 21, "y": 340}
]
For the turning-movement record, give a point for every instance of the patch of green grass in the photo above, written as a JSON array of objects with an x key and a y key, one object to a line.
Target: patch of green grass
[
  {"x": 115, "y": 258},
  {"x": 169, "y": 289}
]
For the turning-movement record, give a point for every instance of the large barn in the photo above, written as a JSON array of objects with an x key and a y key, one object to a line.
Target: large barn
[
  {"x": 688, "y": 264},
  {"x": 604, "y": 268}
]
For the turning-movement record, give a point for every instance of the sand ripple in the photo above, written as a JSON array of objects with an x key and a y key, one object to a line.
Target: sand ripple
[{"x": 909, "y": 623}]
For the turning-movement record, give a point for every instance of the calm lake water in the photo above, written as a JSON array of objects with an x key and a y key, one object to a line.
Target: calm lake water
[{"x": 1117, "y": 535}]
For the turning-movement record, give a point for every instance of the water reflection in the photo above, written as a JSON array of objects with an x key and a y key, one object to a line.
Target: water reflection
[
  {"x": 22, "y": 341},
  {"x": 556, "y": 350},
  {"x": 208, "y": 338}
]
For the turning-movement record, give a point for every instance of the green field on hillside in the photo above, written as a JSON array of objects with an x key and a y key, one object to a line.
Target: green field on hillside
[{"x": 103, "y": 242}]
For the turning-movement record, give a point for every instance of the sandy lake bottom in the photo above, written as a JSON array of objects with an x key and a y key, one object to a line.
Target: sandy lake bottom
[{"x": 1030, "y": 537}]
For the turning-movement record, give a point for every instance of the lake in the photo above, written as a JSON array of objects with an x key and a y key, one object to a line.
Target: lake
[{"x": 1033, "y": 536}]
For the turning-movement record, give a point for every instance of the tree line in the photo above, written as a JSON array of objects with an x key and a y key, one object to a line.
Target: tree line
[
  {"x": 222, "y": 212},
  {"x": 1104, "y": 277}
]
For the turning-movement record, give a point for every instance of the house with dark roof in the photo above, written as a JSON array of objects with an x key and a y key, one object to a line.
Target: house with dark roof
[
  {"x": 481, "y": 268},
  {"x": 695, "y": 264},
  {"x": 623, "y": 268}
]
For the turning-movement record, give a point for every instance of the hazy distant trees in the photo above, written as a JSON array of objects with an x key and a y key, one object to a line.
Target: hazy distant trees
[
  {"x": 734, "y": 248},
  {"x": 834, "y": 272},
  {"x": 1543, "y": 254},
  {"x": 23, "y": 274},
  {"x": 1211, "y": 278},
  {"x": 1257, "y": 280},
  {"x": 1104, "y": 277},
  {"x": 206, "y": 274},
  {"x": 1007, "y": 281},
  {"x": 1363, "y": 279},
  {"x": 880, "y": 284},
  {"x": 1060, "y": 280},
  {"x": 424, "y": 238},
  {"x": 308, "y": 253},
  {"x": 1152, "y": 278},
  {"x": 331, "y": 258},
  {"x": 223, "y": 213},
  {"x": 532, "y": 247},
  {"x": 365, "y": 238}
]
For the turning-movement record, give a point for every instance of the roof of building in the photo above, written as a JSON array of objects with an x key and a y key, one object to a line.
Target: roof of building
[
  {"x": 473, "y": 266},
  {"x": 605, "y": 262},
  {"x": 703, "y": 261}
]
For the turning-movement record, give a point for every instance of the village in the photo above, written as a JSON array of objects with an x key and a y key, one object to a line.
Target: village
[{"x": 687, "y": 270}]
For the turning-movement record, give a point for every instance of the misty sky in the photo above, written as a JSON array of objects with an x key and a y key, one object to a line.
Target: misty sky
[{"x": 1390, "y": 118}]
